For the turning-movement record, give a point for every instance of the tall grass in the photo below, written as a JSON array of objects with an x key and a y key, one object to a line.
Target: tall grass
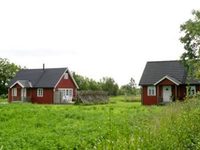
[
  {"x": 177, "y": 126},
  {"x": 118, "y": 125}
]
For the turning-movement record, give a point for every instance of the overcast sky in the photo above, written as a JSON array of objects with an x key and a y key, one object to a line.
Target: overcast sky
[{"x": 93, "y": 38}]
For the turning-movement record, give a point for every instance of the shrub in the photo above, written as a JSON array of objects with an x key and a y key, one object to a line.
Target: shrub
[
  {"x": 4, "y": 96},
  {"x": 92, "y": 97}
]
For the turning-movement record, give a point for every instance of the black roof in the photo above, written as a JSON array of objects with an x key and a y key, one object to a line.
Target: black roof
[
  {"x": 39, "y": 77},
  {"x": 156, "y": 70}
]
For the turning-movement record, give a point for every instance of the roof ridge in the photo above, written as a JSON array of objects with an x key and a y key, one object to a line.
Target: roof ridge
[
  {"x": 163, "y": 61},
  {"x": 45, "y": 68}
]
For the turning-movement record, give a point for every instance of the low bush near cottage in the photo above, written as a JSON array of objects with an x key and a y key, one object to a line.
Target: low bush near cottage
[{"x": 117, "y": 125}]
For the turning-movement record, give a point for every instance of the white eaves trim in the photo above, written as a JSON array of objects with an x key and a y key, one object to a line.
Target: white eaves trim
[
  {"x": 67, "y": 70},
  {"x": 18, "y": 82},
  {"x": 169, "y": 78}
]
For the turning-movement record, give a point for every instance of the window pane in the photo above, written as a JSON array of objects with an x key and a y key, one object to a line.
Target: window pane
[
  {"x": 151, "y": 91},
  {"x": 40, "y": 92}
]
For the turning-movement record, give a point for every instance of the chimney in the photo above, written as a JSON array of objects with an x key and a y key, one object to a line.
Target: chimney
[{"x": 43, "y": 67}]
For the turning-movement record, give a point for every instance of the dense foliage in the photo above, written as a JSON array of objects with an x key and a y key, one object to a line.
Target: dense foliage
[
  {"x": 129, "y": 89},
  {"x": 7, "y": 72},
  {"x": 106, "y": 84},
  {"x": 118, "y": 125},
  {"x": 191, "y": 41}
]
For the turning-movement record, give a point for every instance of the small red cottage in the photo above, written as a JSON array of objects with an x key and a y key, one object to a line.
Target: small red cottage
[
  {"x": 165, "y": 81},
  {"x": 47, "y": 85}
]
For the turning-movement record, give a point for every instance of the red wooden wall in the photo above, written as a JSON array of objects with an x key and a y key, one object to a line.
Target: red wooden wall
[
  {"x": 67, "y": 83},
  {"x": 148, "y": 100},
  {"x": 47, "y": 96}
]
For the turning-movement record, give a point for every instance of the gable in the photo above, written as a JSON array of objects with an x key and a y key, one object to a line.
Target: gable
[
  {"x": 65, "y": 83},
  {"x": 167, "y": 80},
  {"x": 16, "y": 85},
  {"x": 22, "y": 83}
]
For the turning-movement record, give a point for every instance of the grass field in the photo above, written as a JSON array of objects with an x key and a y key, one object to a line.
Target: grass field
[
  {"x": 3, "y": 100},
  {"x": 117, "y": 125}
]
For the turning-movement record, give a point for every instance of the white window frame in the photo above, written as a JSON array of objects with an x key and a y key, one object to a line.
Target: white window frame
[
  {"x": 151, "y": 91},
  {"x": 14, "y": 91},
  {"x": 67, "y": 91},
  {"x": 40, "y": 92},
  {"x": 66, "y": 76},
  {"x": 192, "y": 88},
  {"x": 70, "y": 92}
]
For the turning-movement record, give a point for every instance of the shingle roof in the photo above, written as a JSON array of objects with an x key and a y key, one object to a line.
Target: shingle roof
[
  {"x": 156, "y": 70},
  {"x": 39, "y": 77}
]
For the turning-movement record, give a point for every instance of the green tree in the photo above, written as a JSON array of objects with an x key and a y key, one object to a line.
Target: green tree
[
  {"x": 106, "y": 84},
  {"x": 109, "y": 85},
  {"x": 7, "y": 72},
  {"x": 128, "y": 88},
  {"x": 191, "y": 41},
  {"x": 85, "y": 83}
]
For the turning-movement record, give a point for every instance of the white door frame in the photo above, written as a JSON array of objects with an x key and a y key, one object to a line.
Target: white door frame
[
  {"x": 67, "y": 94},
  {"x": 23, "y": 94},
  {"x": 167, "y": 93}
]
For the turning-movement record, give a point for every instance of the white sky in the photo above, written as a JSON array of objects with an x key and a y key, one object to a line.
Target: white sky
[{"x": 93, "y": 38}]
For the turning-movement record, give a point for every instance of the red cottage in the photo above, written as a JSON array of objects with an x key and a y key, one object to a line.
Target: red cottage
[
  {"x": 47, "y": 86},
  {"x": 165, "y": 81}
]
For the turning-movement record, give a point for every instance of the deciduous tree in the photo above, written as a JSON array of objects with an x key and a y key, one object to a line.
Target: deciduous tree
[
  {"x": 7, "y": 72},
  {"x": 191, "y": 42}
]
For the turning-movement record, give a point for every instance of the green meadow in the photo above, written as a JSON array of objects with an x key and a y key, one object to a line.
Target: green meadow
[{"x": 120, "y": 124}]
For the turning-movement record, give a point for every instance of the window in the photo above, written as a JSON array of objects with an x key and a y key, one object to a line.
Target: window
[
  {"x": 151, "y": 91},
  {"x": 14, "y": 92},
  {"x": 191, "y": 90},
  {"x": 66, "y": 76},
  {"x": 70, "y": 92},
  {"x": 40, "y": 92},
  {"x": 67, "y": 92}
]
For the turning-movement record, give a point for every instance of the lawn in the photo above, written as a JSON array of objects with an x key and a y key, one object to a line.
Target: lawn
[
  {"x": 117, "y": 125},
  {"x": 3, "y": 100}
]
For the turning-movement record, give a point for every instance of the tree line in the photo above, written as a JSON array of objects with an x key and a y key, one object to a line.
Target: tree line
[{"x": 107, "y": 84}]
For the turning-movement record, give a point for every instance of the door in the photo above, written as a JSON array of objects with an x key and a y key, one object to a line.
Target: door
[
  {"x": 167, "y": 93},
  {"x": 23, "y": 94},
  {"x": 66, "y": 94}
]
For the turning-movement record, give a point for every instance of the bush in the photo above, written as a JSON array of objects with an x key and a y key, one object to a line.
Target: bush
[
  {"x": 92, "y": 97},
  {"x": 4, "y": 96}
]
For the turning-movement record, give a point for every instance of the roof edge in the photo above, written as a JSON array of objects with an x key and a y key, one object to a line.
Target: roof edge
[
  {"x": 70, "y": 76},
  {"x": 169, "y": 78},
  {"x": 163, "y": 61}
]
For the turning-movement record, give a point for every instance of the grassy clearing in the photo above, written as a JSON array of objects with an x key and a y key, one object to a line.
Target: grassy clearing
[
  {"x": 117, "y": 125},
  {"x": 3, "y": 100}
]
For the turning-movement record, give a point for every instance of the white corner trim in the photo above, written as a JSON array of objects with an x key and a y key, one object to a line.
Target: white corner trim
[{"x": 73, "y": 79}]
